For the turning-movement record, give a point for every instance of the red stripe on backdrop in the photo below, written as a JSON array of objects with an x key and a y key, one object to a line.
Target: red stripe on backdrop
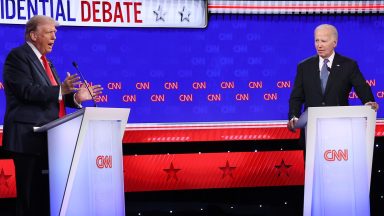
[
  {"x": 1, "y": 137},
  {"x": 7, "y": 179},
  {"x": 196, "y": 171},
  {"x": 298, "y": 7},
  {"x": 213, "y": 170},
  {"x": 180, "y": 133},
  {"x": 153, "y": 134},
  {"x": 138, "y": 135},
  {"x": 379, "y": 131},
  {"x": 161, "y": 134}
]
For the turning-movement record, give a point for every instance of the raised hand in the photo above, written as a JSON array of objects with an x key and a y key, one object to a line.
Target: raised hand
[
  {"x": 69, "y": 83},
  {"x": 83, "y": 94}
]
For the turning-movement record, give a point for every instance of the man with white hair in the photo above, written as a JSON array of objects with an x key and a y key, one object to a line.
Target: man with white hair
[{"x": 327, "y": 78}]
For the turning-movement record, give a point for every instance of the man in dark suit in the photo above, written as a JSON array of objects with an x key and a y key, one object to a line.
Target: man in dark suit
[
  {"x": 327, "y": 78},
  {"x": 34, "y": 97}
]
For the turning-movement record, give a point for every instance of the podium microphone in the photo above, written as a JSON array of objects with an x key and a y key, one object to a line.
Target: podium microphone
[{"x": 82, "y": 77}]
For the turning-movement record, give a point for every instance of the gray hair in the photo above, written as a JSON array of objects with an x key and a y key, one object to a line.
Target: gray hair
[
  {"x": 35, "y": 22},
  {"x": 332, "y": 28}
]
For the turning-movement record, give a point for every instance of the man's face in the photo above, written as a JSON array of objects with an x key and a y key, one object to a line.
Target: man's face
[
  {"x": 44, "y": 37},
  {"x": 325, "y": 42}
]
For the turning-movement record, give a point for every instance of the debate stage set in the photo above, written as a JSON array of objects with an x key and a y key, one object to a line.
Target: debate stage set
[{"x": 192, "y": 119}]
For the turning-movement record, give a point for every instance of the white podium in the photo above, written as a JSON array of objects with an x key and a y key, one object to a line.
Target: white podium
[
  {"x": 339, "y": 151},
  {"x": 85, "y": 162}
]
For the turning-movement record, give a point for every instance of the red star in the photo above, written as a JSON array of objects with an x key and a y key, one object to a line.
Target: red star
[
  {"x": 283, "y": 168},
  {"x": 4, "y": 178},
  {"x": 227, "y": 170},
  {"x": 171, "y": 172}
]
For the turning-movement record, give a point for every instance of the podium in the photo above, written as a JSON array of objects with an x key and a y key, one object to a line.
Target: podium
[
  {"x": 85, "y": 162},
  {"x": 339, "y": 152}
]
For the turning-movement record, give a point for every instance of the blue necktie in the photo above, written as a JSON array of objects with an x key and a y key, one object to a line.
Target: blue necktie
[{"x": 324, "y": 75}]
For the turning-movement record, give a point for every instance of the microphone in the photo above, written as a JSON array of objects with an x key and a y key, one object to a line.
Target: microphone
[
  {"x": 82, "y": 77},
  {"x": 53, "y": 69},
  {"x": 50, "y": 64},
  {"x": 329, "y": 69}
]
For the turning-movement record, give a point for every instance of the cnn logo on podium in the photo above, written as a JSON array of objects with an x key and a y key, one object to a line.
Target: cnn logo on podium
[
  {"x": 333, "y": 155},
  {"x": 104, "y": 161}
]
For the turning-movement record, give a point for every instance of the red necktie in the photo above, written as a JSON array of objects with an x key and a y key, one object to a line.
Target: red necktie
[{"x": 54, "y": 83}]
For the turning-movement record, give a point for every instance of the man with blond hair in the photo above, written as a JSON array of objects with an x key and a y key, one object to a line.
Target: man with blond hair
[{"x": 35, "y": 96}]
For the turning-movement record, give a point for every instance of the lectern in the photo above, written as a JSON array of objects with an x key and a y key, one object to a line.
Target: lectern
[
  {"x": 339, "y": 152},
  {"x": 85, "y": 162}
]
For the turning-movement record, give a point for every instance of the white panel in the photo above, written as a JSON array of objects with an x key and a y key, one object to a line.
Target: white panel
[
  {"x": 340, "y": 186},
  {"x": 85, "y": 162},
  {"x": 61, "y": 145},
  {"x": 99, "y": 191},
  {"x": 337, "y": 182}
]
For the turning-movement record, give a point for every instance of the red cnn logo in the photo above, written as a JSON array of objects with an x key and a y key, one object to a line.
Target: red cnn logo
[
  {"x": 332, "y": 155},
  {"x": 104, "y": 161}
]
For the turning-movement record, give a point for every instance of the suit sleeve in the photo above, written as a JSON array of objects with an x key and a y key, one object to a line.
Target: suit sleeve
[
  {"x": 362, "y": 89},
  {"x": 296, "y": 99},
  {"x": 20, "y": 79},
  {"x": 70, "y": 101},
  {"x": 68, "y": 98}
]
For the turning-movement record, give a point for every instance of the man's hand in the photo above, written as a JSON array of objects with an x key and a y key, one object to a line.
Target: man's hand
[
  {"x": 68, "y": 86},
  {"x": 374, "y": 105},
  {"x": 291, "y": 125},
  {"x": 83, "y": 94}
]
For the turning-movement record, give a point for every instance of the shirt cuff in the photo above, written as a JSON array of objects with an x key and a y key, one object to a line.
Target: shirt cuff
[
  {"x": 60, "y": 95},
  {"x": 74, "y": 100}
]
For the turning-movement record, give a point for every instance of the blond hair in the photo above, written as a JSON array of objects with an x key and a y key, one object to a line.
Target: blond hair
[{"x": 35, "y": 22}]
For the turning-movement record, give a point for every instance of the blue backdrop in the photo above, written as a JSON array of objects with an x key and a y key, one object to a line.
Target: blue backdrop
[{"x": 241, "y": 67}]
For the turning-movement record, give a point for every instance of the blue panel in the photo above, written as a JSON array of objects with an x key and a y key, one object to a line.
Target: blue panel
[{"x": 240, "y": 50}]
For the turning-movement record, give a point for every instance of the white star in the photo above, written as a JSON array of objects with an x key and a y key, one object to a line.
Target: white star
[
  {"x": 160, "y": 14},
  {"x": 184, "y": 15}
]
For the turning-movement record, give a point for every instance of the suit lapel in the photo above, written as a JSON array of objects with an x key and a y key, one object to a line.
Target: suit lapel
[
  {"x": 335, "y": 69},
  {"x": 38, "y": 66},
  {"x": 316, "y": 74}
]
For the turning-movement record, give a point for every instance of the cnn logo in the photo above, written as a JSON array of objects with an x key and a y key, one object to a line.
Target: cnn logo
[
  {"x": 104, "y": 161},
  {"x": 332, "y": 155}
]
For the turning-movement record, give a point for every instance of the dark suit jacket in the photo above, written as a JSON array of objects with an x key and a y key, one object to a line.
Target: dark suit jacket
[
  {"x": 31, "y": 101},
  {"x": 344, "y": 75}
]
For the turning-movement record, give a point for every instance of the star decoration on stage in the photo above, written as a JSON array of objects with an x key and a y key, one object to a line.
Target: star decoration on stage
[
  {"x": 4, "y": 178},
  {"x": 171, "y": 172},
  {"x": 160, "y": 14},
  {"x": 184, "y": 14},
  {"x": 227, "y": 170},
  {"x": 283, "y": 168}
]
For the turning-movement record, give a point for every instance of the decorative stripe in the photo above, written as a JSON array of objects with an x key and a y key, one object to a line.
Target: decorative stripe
[
  {"x": 213, "y": 170},
  {"x": 7, "y": 179},
  {"x": 211, "y": 131}
]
